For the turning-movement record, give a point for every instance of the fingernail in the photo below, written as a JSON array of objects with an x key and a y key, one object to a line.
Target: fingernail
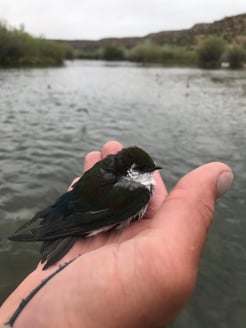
[{"x": 224, "y": 183}]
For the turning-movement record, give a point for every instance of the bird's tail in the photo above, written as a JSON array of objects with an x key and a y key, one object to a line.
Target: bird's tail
[
  {"x": 29, "y": 231},
  {"x": 53, "y": 250}
]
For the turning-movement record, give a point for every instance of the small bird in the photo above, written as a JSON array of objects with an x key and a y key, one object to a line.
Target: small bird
[{"x": 110, "y": 195}]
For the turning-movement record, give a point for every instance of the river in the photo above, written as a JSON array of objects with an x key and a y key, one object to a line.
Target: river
[{"x": 50, "y": 118}]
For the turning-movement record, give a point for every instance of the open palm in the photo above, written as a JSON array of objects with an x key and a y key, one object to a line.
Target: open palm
[{"x": 139, "y": 277}]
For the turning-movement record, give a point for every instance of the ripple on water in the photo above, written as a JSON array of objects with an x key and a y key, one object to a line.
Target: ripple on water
[{"x": 185, "y": 117}]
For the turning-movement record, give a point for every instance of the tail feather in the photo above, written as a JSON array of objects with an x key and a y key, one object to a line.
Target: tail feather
[
  {"x": 27, "y": 236},
  {"x": 53, "y": 250},
  {"x": 30, "y": 230}
]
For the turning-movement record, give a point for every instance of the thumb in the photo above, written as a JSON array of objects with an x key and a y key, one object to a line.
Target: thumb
[{"x": 187, "y": 212}]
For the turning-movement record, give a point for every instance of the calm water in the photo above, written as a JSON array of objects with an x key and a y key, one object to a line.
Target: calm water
[{"x": 50, "y": 118}]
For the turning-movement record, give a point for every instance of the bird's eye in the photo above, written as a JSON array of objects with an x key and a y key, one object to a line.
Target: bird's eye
[{"x": 142, "y": 168}]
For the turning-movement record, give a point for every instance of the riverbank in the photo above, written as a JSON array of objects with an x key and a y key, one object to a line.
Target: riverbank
[
  {"x": 20, "y": 49},
  {"x": 211, "y": 50},
  {"x": 207, "y": 45}
]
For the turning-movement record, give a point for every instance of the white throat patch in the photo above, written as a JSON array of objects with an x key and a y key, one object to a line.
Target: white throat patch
[{"x": 146, "y": 179}]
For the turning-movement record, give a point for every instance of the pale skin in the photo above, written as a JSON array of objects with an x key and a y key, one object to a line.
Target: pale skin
[{"x": 139, "y": 277}]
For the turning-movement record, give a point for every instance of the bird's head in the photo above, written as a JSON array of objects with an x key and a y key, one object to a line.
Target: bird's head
[{"x": 135, "y": 164}]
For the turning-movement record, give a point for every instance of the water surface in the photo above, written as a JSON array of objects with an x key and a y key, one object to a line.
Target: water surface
[{"x": 50, "y": 118}]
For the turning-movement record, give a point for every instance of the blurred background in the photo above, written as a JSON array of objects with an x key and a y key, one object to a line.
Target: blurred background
[{"x": 167, "y": 77}]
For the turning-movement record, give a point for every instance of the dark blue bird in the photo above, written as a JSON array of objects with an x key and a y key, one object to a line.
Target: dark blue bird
[{"x": 110, "y": 195}]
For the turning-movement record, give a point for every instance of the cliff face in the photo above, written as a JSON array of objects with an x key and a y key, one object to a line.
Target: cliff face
[
  {"x": 234, "y": 25},
  {"x": 230, "y": 28}
]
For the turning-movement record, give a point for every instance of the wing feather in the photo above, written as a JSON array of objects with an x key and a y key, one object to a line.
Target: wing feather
[{"x": 121, "y": 204}]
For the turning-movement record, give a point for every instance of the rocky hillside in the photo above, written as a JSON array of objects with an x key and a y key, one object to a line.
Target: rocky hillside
[
  {"x": 229, "y": 28},
  {"x": 232, "y": 29}
]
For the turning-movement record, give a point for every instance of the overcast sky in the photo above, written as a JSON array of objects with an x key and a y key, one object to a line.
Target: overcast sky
[{"x": 95, "y": 19}]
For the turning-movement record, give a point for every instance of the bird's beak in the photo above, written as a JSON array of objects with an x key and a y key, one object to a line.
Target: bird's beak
[{"x": 157, "y": 168}]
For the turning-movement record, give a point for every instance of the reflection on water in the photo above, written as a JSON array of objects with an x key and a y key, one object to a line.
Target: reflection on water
[{"x": 50, "y": 118}]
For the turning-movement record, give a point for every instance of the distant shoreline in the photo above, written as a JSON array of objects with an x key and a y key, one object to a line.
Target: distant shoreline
[
  {"x": 230, "y": 28},
  {"x": 169, "y": 48},
  {"x": 207, "y": 45}
]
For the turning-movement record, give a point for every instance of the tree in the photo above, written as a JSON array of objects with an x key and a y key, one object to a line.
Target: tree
[
  {"x": 210, "y": 51},
  {"x": 237, "y": 57},
  {"x": 112, "y": 52},
  {"x": 146, "y": 52}
]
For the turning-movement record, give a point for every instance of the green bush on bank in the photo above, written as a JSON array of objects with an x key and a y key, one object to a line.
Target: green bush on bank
[
  {"x": 18, "y": 48},
  {"x": 210, "y": 52},
  {"x": 185, "y": 57},
  {"x": 112, "y": 52},
  {"x": 109, "y": 52},
  {"x": 143, "y": 53},
  {"x": 146, "y": 53},
  {"x": 236, "y": 57},
  {"x": 82, "y": 54},
  {"x": 166, "y": 55}
]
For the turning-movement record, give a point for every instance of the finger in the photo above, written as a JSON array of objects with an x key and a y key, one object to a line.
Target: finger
[
  {"x": 111, "y": 147},
  {"x": 186, "y": 214},
  {"x": 72, "y": 183},
  {"x": 91, "y": 159}
]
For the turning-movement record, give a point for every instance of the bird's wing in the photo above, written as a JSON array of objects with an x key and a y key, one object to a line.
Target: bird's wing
[
  {"x": 121, "y": 204},
  {"x": 60, "y": 209}
]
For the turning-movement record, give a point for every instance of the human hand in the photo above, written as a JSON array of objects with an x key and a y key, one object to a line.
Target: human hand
[{"x": 141, "y": 276}]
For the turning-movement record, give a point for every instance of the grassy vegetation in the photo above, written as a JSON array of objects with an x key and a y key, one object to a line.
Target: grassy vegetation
[
  {"x": 210, "y": 52},
  {"x": 82, "y": 54},
  {"x": 145, "y": 53},
  {"x": 236, "y": 57},
  {"x": 111, "y": 52},
  {"x": 166, "y": 55},
  {"x": 19, "y": 49},
  {"x": 207, "y": 53}
]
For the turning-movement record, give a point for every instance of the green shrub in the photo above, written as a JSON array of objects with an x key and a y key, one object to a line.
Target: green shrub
[
  {"x": 112, "y": 52},
  {"x": 166, "y": 55},
  {"x": 18, "y": 48},
  {"x": 183, "y": 56},
  {"x": 146, "y": 53},
  {"x": 210, "y": 51},
  {"x": 236, "y": 57}
]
